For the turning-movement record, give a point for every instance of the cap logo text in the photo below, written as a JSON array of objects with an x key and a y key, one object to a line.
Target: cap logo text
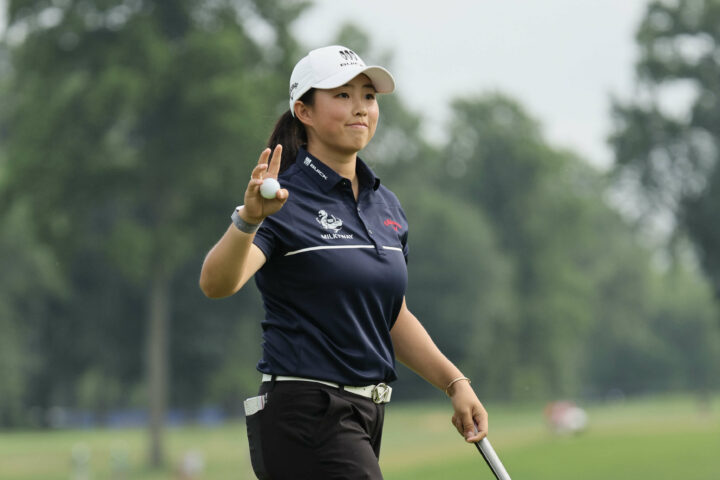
[
  {"x": 349, "y": 55},
  {"x": 350, "y": 58}
]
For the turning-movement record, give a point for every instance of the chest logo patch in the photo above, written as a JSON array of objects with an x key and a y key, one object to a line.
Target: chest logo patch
[
  {"x": 390, "y": 223},
  {"x": 332, "y": 224},
  {"x": 329, "y": 222}
]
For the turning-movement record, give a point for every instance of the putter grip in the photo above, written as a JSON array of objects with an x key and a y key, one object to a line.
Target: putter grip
[{"x": 493, "y": 461}]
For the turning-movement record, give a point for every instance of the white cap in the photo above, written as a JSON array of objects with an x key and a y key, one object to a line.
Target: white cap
[{"x": 331, "y": 67}]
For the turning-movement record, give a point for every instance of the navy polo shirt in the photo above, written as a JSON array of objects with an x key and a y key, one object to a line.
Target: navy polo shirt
[{"x": 335, "y": 276}]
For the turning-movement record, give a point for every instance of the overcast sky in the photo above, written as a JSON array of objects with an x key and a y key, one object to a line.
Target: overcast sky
[{"x": 560, "y": 58}]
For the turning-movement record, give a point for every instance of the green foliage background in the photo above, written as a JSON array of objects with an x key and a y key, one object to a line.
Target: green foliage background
[{"x": 127, "y": 131}]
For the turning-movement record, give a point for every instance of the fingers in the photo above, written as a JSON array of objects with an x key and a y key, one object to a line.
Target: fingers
[
  {"x": 472, "y": 427},
  {"x": 259, "y": 171},
  {"x": 479, "y": 428},
  {"x": 468, "y": 429},
  {"x": 268, "y": 166},
  {"x": 255, "y": 179},
  {"x": 457, "y": 423},
  {"x": 282, "y": 195},
  {"x": 274, "y": 166},
  {"x": 263, "y": 160}
]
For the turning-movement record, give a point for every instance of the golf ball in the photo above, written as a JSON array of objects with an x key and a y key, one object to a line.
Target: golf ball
[{"x": 269, "y": 188}]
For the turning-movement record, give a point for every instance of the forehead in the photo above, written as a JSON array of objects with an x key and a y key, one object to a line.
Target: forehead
[{"x": 361, "y": 80}]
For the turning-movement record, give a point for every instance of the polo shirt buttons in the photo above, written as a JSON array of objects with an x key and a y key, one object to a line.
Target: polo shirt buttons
[{"x": 370, "y": 232}]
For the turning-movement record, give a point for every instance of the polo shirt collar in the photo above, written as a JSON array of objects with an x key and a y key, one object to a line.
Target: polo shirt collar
[
  {"x": 366, "y": 176},
  {"x": 326, "y": 178}
]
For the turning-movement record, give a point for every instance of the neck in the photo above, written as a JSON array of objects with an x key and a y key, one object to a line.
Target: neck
[{"x": 342, "y": 163}]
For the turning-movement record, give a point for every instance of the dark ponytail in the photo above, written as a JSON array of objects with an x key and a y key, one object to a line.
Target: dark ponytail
[{"x": 290, "y": 133}]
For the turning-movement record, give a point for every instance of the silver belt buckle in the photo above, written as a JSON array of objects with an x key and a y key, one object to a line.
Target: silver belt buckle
[{"x": 380, "y": 393}]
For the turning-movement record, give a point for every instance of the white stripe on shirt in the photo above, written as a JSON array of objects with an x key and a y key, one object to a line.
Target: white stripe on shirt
[{"x": 334, "y": 247}]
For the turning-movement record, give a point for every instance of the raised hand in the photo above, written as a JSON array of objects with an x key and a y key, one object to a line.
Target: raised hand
[{"x": 256, "y": 207}]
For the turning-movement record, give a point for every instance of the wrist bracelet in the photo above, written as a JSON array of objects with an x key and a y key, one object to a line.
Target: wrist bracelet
[
  {"x": 241, "y": 224},
  {"x": 453, "y": 382}
]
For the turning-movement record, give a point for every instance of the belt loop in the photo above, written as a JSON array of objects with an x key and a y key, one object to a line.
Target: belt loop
[
  {"x": 272, "y": 382},
  {"x": 341, "y": 388}
]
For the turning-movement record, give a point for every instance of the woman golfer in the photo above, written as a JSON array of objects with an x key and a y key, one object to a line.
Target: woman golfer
[{"x": 328, "y": 252}]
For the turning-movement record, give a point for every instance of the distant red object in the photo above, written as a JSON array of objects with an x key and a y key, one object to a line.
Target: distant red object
[{"x": 565, "y": 417}]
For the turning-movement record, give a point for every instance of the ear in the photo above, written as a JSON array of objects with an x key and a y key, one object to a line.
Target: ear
[{"x": 303, "y": 113}]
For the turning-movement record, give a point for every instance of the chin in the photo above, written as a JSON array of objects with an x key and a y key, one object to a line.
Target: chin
[
  {"x": 360, "y": 147},
  {"x": 354, "y": 147}
]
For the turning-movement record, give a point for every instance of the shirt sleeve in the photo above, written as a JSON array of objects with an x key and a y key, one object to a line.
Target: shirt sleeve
[
  {"x": 405, "y": 246},
  {"x": 266, "y": 238},
  {"x": 404, "y": 236},
  {"x": 274, "y": 233}
]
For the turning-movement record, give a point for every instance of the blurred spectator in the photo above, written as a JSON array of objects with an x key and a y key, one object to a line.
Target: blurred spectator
[{"x": 565, "y": 417}]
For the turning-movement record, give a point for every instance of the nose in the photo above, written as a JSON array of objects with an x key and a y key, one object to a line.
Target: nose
[{"x": 360, "y": 107}]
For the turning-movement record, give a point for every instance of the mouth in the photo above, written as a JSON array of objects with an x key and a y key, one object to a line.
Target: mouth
[{"x": 358, "y": 125}]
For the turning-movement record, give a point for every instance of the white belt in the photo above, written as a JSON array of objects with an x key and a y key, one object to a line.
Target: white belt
[{"x": 379, "y": 393}]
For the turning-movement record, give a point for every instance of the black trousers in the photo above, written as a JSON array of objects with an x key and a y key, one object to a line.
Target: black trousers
[{"x": 308, "y": 430}]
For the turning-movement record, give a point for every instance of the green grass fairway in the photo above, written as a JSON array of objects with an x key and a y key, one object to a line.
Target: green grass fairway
[{"x": 657, "y": 438}]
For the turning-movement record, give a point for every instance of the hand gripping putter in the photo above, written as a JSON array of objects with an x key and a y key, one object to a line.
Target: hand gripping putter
[{"x": 493, "y": 461}]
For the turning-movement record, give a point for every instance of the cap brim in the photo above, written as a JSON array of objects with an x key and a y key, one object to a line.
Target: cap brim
[{"x": 381, "y": 79}]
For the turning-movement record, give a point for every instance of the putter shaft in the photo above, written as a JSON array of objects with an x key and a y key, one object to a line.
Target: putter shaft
[{"x": 493, "y": 461}]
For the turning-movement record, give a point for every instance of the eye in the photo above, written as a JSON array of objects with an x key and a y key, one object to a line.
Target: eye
[
  {"x": 370, "y": 96},
  {"x": 343, "y": 95}
]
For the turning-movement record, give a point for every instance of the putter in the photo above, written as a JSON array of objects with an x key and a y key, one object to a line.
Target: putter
[{"x": 493, "y": 461}]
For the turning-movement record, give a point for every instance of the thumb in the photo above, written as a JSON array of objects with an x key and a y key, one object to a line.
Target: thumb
[{"x": 468, "y": 426}]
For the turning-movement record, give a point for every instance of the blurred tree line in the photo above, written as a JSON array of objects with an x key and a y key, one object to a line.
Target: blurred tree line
[{"x": 127, "y": 132}]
